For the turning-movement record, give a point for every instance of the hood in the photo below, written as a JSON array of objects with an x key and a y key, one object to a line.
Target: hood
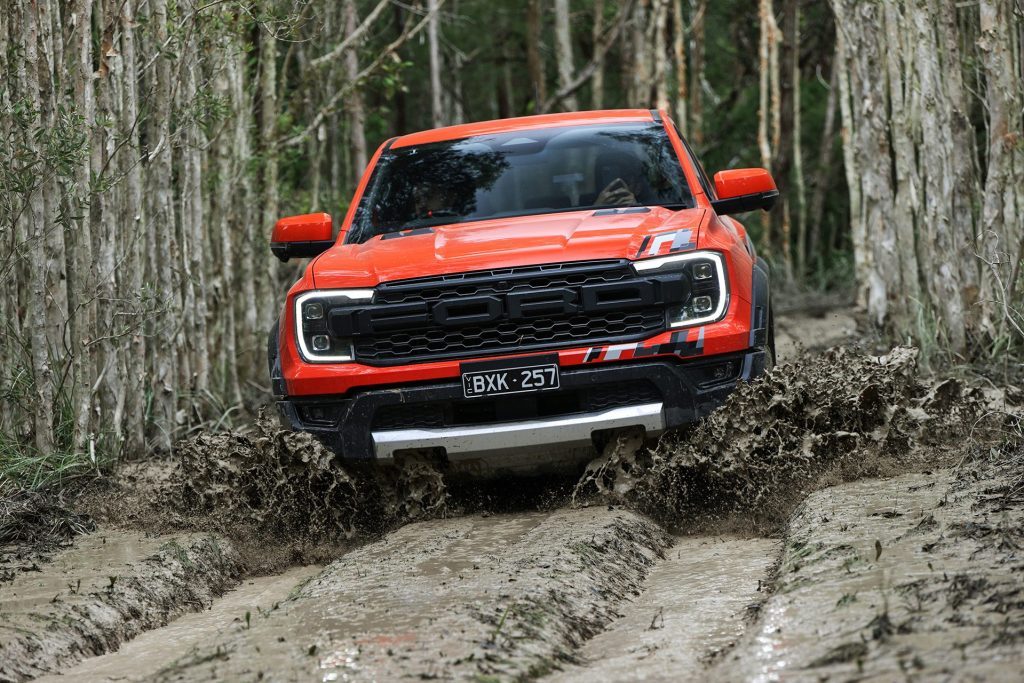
[{"x": 501, "y": 243}]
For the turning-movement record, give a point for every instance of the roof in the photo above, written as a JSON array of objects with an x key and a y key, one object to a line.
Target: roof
[{"x": 523, "y": 123}]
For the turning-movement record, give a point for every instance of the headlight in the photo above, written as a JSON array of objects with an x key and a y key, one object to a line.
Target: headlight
[
  {"x": 708, "y": 297},
  {"x": 312, "y": 334}
]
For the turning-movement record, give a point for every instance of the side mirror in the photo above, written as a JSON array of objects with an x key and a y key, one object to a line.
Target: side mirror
[
  {"x": 303, "y": 236},
  {"x": 744, "y": 189}
]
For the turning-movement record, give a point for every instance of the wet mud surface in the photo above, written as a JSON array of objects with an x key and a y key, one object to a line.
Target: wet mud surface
[
  {"x": 105, "y": 590},
  {"x": 918, "y": 577},
  {"x": 155, "y": 650},
  {"x": 837, "y": 416},
  {"x": 694, "y": 605},
  {"x": 743, "y": 548},
  {"x": 501, "y": 596}
]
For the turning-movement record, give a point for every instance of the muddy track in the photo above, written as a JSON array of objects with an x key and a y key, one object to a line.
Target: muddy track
[
  {"x": 747, "y": 566},
  {"x": 912, "y": 577},
  {"x": 106, "y": 590}
]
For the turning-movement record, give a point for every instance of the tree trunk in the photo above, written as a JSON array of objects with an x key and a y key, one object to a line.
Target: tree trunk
[
  {"x": 534, "y": 61},
  {"x": 1002, "y": 215},
  {"x": 436, "y": 104},
  {"x": 823, "y": 169},
  {"x": 356, "y": 110},
  {"x": 661, "y": 55},
  {"x": 766, "y": 34},
  {"x": 267, "y": 291},
  {"x": 698, "y": 10},
  {"x": 679, "y": 55},
  {"x": 161, "y": 225},
  {"x": 597, "y": 82},
  {"x": 563, "y": 52},
  {"x": 42, "y": 374}
]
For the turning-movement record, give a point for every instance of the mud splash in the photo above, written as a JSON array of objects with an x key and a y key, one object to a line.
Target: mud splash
[{"x": 834, "y": 417}]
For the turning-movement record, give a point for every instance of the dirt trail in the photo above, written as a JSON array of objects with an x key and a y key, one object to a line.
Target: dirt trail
[
  {"x": 578, "y": 593},
  {"x": 105, "y": 590},
  {"x": 158, "y": 649},
  {"x": 475, "y": 596},
  {"x": 912, "y": 578},
  {"x": 693, "y": 606}
]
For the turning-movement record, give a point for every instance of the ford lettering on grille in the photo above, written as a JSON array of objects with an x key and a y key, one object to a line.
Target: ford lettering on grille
[
  {"x": 527, "y": 308},
  {"x": 516, "y": 306}
]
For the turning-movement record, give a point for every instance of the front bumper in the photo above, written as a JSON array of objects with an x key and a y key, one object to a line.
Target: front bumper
[{"x": 528, "y": 428}]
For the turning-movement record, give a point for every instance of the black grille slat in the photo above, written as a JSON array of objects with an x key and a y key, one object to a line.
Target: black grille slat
[{"x": 423, "y": 344}]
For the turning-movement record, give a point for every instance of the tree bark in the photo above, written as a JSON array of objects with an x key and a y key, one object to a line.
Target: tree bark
[
  {"x": 161, "y": 225},
  {"x": 436, "y": 103},
  {"x": 267, "y": 289},
  {"x": 356, "y": 109},
  {"x": 661, "y": 57},
  {"x": 42, "y": 374},
  {"x": 534, "y": 61},
  {"x": 1001, "y": 229},
  {"x": 679, "y": 55},
  {"x": 698, "y": 11},
  {"x": 563, "y": 52},
  {"x": 823, "y": 169}
]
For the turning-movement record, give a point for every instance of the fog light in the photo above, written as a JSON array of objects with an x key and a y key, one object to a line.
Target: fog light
[
  {"x": 722, "y": 371},
  {"x": 703, "y": 271},
  {"x": 702, "y": 304},
  {"x": 321, "y": 342},
  {"x": 313, "y": 311}
]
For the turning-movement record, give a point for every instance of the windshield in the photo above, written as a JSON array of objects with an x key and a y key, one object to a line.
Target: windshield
[{"x": 521, "y": 173}]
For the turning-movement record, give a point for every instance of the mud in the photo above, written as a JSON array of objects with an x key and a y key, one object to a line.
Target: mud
[
  {"x": 33, "y": 525},
  {"x": 281, "y": 497},
  {"x": 496, "y": 597},
  {"x": 580, "y": 582},
  {"x": 693, "y": 606},
  {"x": 912, "y": 578},
  {"x": 105, "y": 590},
  {"x": 155, "y": 650},
  {"x": 814, "y": 330},
  {"x": 839, "y": 416}
]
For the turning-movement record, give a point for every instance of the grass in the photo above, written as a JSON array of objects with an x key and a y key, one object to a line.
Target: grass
[{"x": 24, "y": 467}]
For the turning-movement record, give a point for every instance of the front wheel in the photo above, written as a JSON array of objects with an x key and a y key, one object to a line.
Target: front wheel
[{"x": 769, "y": 346}]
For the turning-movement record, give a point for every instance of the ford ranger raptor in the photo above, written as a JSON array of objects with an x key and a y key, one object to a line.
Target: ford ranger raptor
[{"x": 505, "y": 296}]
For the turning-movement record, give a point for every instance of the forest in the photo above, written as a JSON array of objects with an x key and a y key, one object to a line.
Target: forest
[{"x": 147, "y": 148}]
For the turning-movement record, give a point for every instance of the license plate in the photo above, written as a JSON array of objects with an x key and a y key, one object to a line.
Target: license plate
[{"x": 495, "y": 378}]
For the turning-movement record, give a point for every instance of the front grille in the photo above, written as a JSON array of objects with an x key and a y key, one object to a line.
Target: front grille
[
  {"x": 434, "y": 342},
  {"x": 496, "y": 409}
]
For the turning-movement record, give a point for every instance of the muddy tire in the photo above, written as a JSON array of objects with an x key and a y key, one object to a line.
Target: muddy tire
[{"x": 769, "y": 347}]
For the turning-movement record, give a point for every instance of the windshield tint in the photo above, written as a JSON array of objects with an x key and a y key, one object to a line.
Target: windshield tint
[{"x": 519, "y": 174}]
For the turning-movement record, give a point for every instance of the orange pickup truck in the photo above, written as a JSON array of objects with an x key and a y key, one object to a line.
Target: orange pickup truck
[{"x": 506, "y": 295}]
